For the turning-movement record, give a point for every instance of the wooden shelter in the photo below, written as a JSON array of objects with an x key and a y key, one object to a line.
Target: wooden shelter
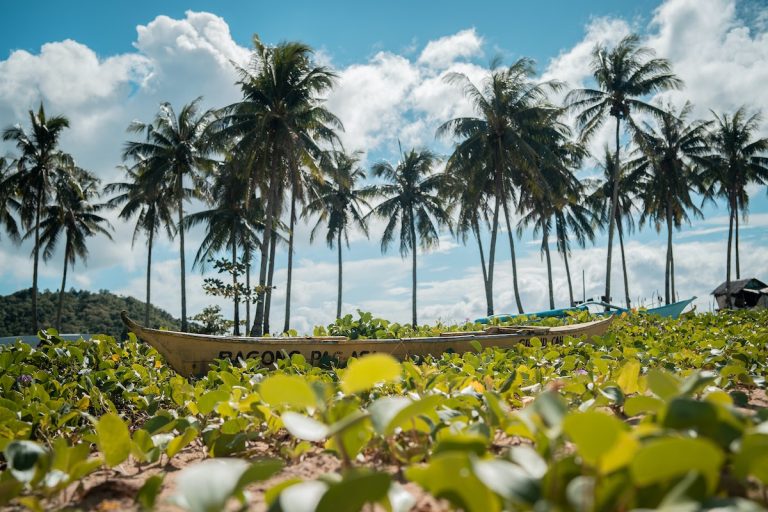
[{"x": 745, "y": 294}]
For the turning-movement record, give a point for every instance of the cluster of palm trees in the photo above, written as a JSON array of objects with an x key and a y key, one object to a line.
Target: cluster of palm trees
[{"x": 275, "y": 157}]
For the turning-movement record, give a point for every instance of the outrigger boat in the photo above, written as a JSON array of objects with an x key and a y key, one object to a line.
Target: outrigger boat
[
  {"x": 191, "y": 354},
  {"x": 673, "y": 310}
]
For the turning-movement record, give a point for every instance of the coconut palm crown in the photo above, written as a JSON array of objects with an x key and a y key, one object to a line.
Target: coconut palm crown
[{"x": 624, "y": 75}]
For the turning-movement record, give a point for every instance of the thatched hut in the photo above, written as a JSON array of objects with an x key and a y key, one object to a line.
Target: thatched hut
[{"x": 745, "y": 294}]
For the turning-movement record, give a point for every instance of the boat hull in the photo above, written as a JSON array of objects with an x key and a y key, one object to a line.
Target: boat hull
[
  {"x": 192, "y": 354},
  {"x": 673, "y": 310}
]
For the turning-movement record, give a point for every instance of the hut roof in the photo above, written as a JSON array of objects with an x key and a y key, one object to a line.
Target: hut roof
[{"x": 741, "y": 284}]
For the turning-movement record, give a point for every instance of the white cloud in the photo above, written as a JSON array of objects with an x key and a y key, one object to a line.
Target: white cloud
[
  {"x": 68, "y": 75},
  {"x": 573, "y": 65},
  {"x": 724, "y": 65},
  {"x": 370, "y": 99},
  {"x": 442, "y": 52}
]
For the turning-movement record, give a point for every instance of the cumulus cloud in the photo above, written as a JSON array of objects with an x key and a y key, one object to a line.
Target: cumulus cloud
[
  {"x": 573, "y": 65},
  {"x": 443, "y": 52},
  {"x": 723, "y": 62}
]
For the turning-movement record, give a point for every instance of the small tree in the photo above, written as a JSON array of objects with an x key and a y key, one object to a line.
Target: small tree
[
  {"x": 213, "y": 322},
  {"x": 233, "y": 290}
]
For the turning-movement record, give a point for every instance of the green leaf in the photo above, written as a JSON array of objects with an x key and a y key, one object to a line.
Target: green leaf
[
  {"x": 551, "y": 407},
  {"x": 364, "y": 373},
  {"x": 258, "y": 471},
  {"x": 23, "y": 458},
  {"x": 628, "y": 377},
  {"x": 580, "y": 493},
  {"x": 507, "y": 480},
  {"x": 448, "y": 441},
  {"x": 114, "y": 439},
  {"x": 664, "y": 459},
  {"x": 287, "y": 390},
  {"x": 404, "y": 418},
  {"x": 273, "y": 493},
  {"x": 696, "y": 381},
  {"x": 178, "y": 443},
  {"x": 450, "y": 476},
  {"x": 355, "y": 490},
  {"x": 208, "y": 402},
  {"x": 641, "y": 404},
  {"x": 143, "y": 447},
  {"x": 303, "y": 497},
  {"x": 385, "y": 409},
  {"x": 208, "y": 485},
  {"x": 663, "y": 384},
  {"x": 147, "y": 495},
  {"x": 613, "y": 394},
  {"x": 752, "y": 458},
  {"x": 304, "y": 427},
  {"x": 528, "y": 459},
  {"x": 593, "y": 433}
]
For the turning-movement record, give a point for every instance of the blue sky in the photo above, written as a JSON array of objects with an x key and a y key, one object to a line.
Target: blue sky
[{"x": 105, "y": 64}]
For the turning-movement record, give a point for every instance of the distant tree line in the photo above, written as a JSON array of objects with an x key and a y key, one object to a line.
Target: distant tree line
[
  {"x": 83, "y": 312},
  {"x": 274, "y": 158}
]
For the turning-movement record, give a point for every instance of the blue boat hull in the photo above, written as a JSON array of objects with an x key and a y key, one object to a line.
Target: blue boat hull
[{"x": 673, "y": 310}]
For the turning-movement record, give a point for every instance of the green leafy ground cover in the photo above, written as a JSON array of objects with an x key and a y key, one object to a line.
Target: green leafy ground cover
[{"x": 656, "y": 414}]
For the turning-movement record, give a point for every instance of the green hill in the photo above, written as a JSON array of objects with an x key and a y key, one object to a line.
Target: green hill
[{"x": 82, "y": 312}]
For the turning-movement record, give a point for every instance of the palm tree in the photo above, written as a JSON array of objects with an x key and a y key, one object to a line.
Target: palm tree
[
  {"x": 339, "y": 204},
  {"x": 474, "y": 211},
  {"x": 413, "y": 203},
  {"x": 666, "y": 158},
  {"x": 543, "y": 192},
  {"x": 228, "y": 223},
  {"x": 279, "y": 124},
  {"x": 9, "y": 202},
  {"x": 175, "y": 146},
  {"x": 74, "y": 215},
  {"x": 737, "y": 159},
  {"x": 497, "y": 143},
  {"x": 39, "y": 159},
  {"x": 623, "y": 75},
  {"x": 139, "y": 197},
  {"x": 572, "y": 218},
  {"x": 599, "y": 201}
]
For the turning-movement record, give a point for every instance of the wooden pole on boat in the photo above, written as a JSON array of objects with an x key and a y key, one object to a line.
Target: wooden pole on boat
[{"x": 583, "y": 287}]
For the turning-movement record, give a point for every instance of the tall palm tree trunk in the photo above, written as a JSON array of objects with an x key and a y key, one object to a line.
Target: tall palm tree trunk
[
  {"x": 149, "y": 270},
  {"x": 568, "y": 275},
  {"x": 258, "y": 322},
  {"x": 287, "y": 323},
  {"x": 63, "y": 286},
  {"x": 476, "y": 229},
  {"x": 39, "y": 206},
  {"x": 236, "y": 298},
  {"x": 270, "y": 276},
  {"x": 668, "y": 273},
  {"x": 180, "y": 191},
  {"x": 248, "y": 286},
  {"x": 736, "y": 246},
  {"x": 338, "y": 295},
  {"x": 623, "y": 262},
  {"x": 412, "y": 227},
  {"x": 728, "y": 303},
  {"x": 545, "y": 242},
  {"x": 672, "y": 271},
  {"x": 492, "y": 257},
  {"x": 612, "y": 222},
  {"x": 514, "y": 259}
]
